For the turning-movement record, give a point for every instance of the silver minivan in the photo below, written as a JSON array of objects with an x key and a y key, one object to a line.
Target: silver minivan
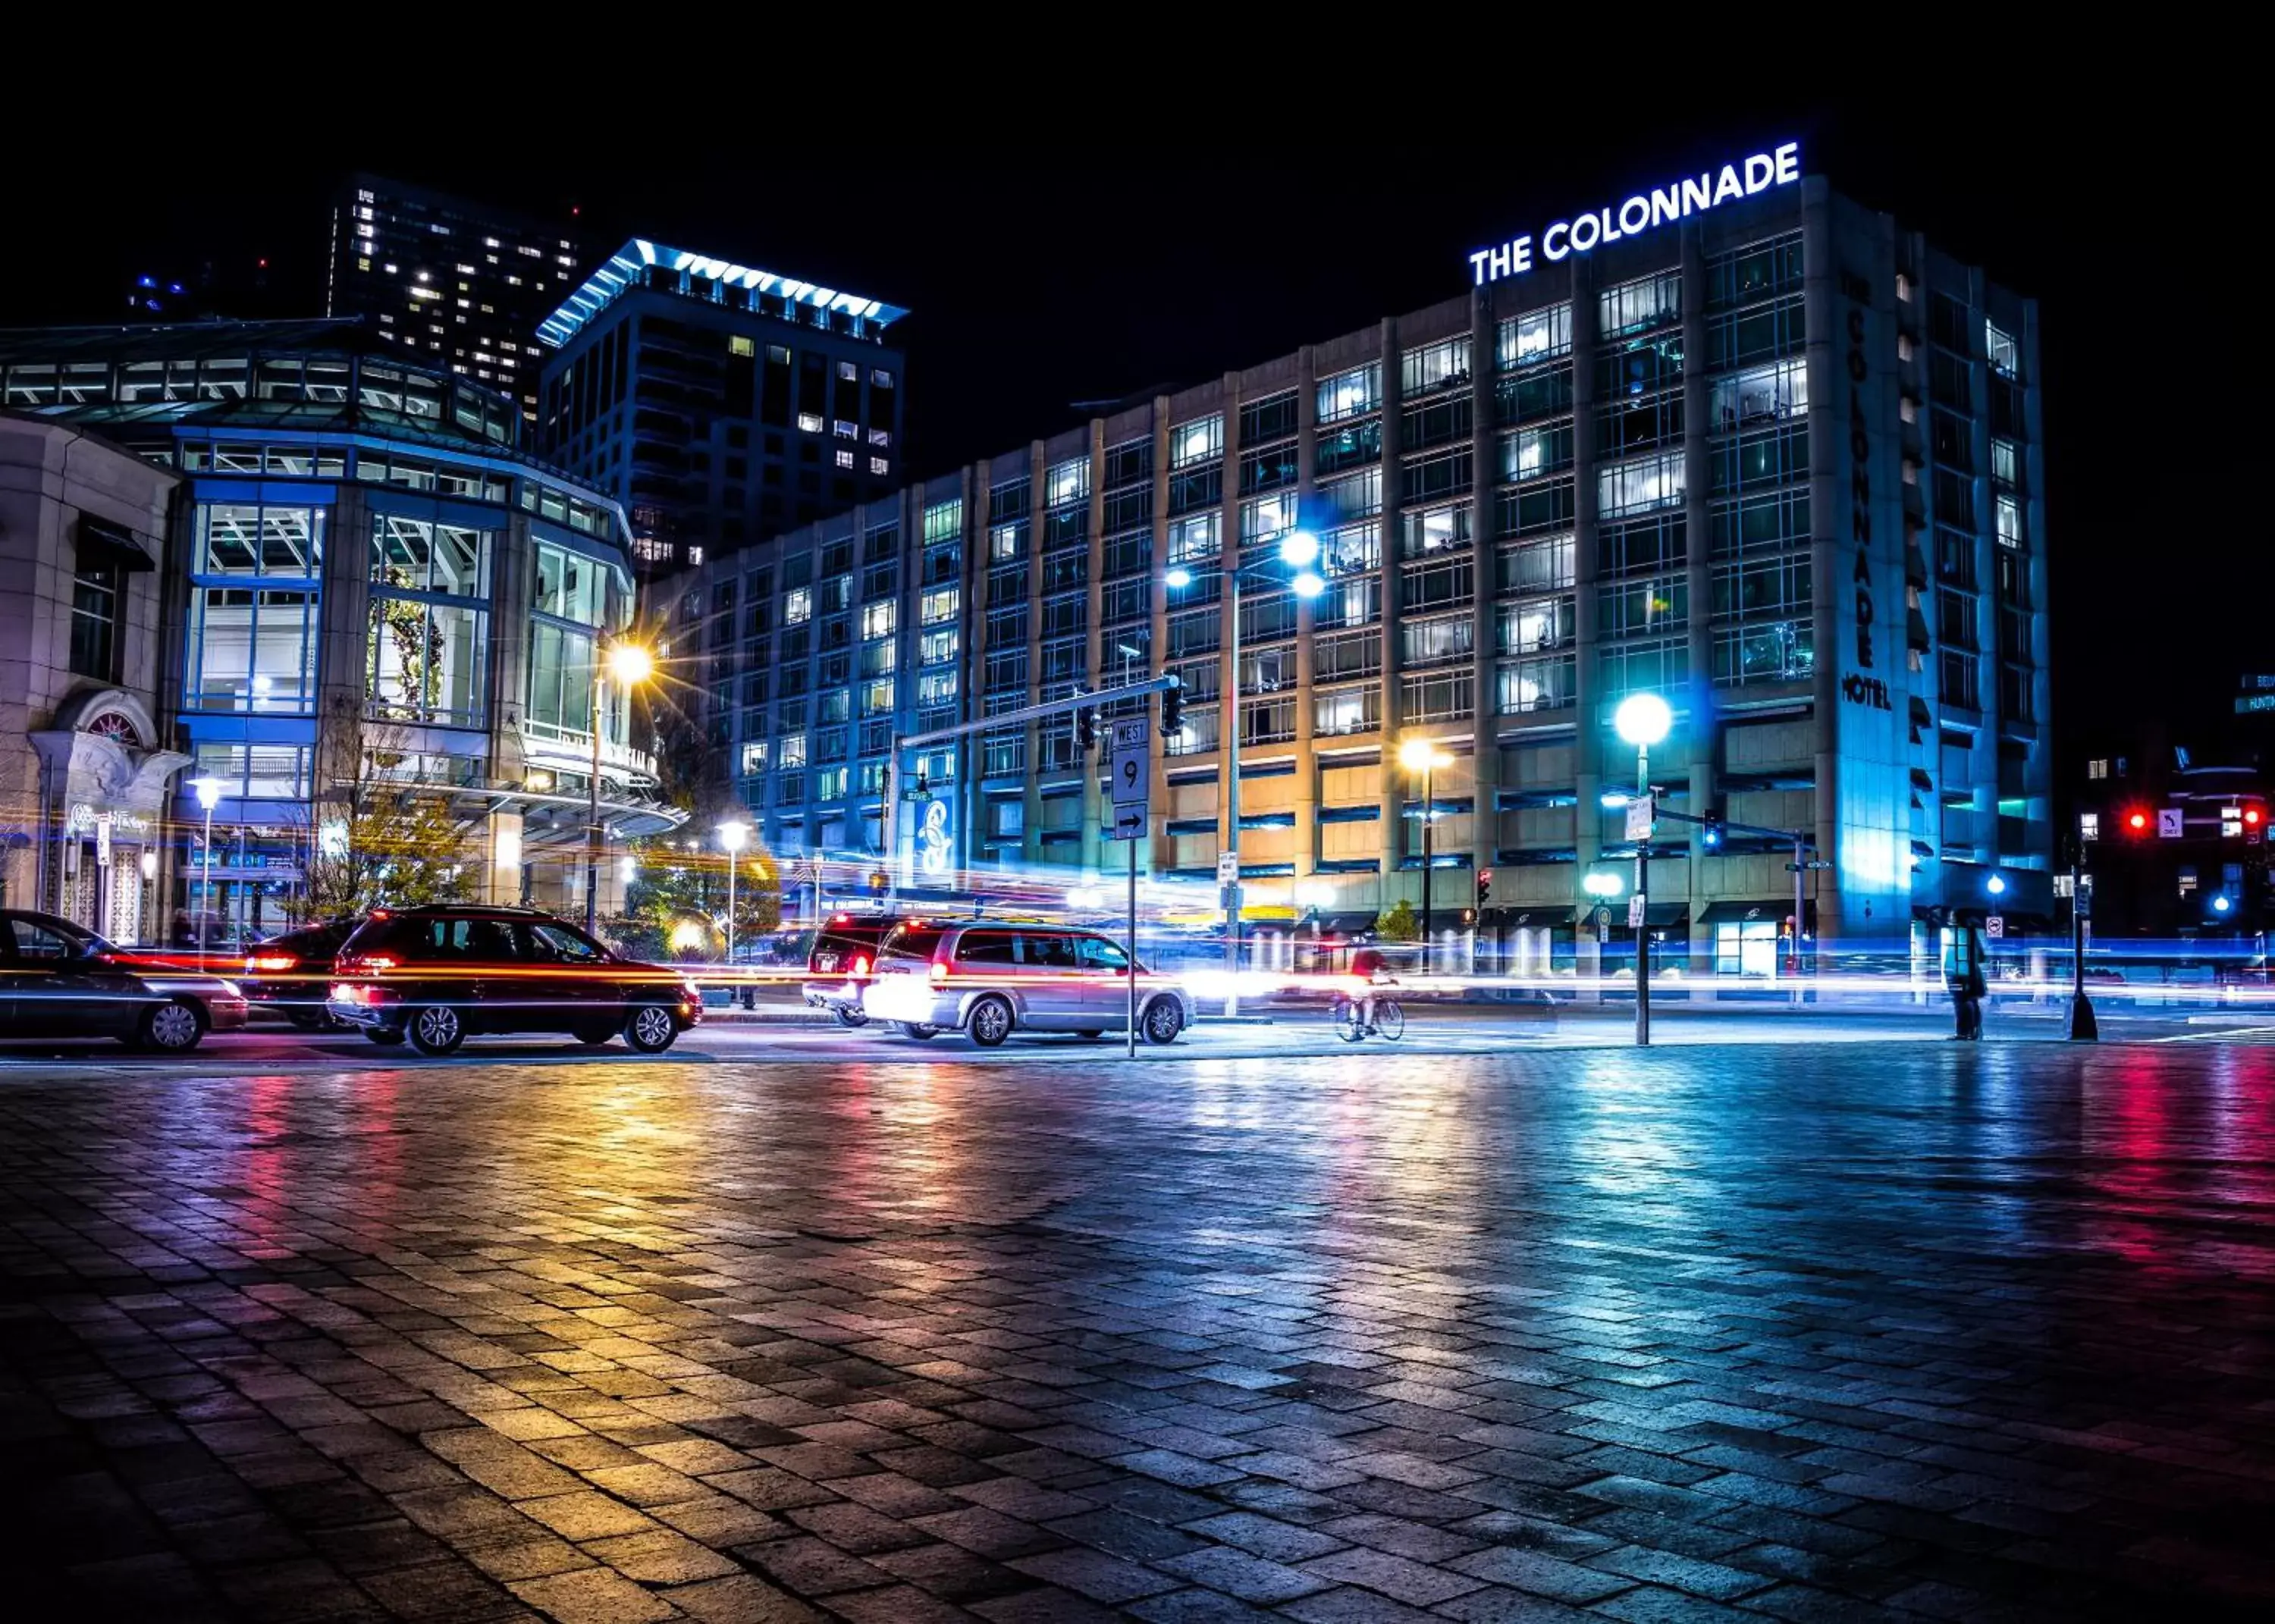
[{"x": 990, "y": 979}]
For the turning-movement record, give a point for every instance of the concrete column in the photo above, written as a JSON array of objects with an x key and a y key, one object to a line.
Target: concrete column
[
  {"x": 1485, "y": 821},
  {"x": 1307, "y": 760},
  {"x": 1393, "y": 720},
  {"x": 1030, "y": 838},
  {"x": 1228, "y": 801},
  {"x": 1829, "y": 388},
  {"x": 1094, "y": 848},
  {"x": 1587, "y": 687},
  {"x": 1160, "y": 847},
  {"x": 1700, "y": 732},
  {"x": 501, "y": 863}
]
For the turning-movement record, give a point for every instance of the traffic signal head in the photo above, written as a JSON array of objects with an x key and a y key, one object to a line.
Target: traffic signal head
[
  {"x": 1711, "y": 832},
  {"x": 1485, "y": 887},
  {"x": 2137, "y": 822},
  {"x": 1086, "y": 729},
  {"x": 1173, "y": 712}
]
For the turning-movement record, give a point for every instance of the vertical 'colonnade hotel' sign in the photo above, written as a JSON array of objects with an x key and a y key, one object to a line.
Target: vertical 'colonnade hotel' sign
[{"x": 1780, "y": 166}]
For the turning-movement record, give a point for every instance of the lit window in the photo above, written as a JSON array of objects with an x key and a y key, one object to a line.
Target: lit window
[
  {"x": 846, "y": 459},
  {"x": 1536, "y": 336},
  {"x": 739, "y": 345},
  {"x": 491, "y": 242},
  {"x": 391, "y": 270},
  {"x": 882, "y": 378},
  {"x": 2010, "y": 522},
  {"x": 877, "y": 465},
  {"x": 848, "y": 371},
  {"x": 877, "y": 619},
  {"x": 797, "y": 606},
  {"x": 363, "y": 265},
  {"x": 1069, "y": 481},
  {"x": 365, "y": 197},
  {"x": 2088, "y": 826},
  {"x": 2006, "y": 358},
  {"x": 694, "y": 554},
  {"x": 810, "y": 422},
  {"x": 1197, "y": 441},
  {"x": 1435, "y": 366},
  {"x": 881, "y": 436}
]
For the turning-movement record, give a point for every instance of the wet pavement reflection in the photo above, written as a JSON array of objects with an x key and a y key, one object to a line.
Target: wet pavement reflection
[{"x": 1783, "y": 1332}]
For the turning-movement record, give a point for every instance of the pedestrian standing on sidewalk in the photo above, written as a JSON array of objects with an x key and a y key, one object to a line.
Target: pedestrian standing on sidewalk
[{"x": 1963, "y": 974}]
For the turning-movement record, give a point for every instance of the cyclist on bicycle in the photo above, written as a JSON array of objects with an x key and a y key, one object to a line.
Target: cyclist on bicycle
[{"x": 1369, "y": 964}]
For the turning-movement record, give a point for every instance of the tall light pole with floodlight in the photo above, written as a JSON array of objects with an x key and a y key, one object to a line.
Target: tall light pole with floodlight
[
  {"x": 733, "y": 834},
  {"x": 631, "y": 665},
  {"x": 208, "y": 790},
  {"x": 1422, "y": 756},
  {"x": 1642, "y": 720},
  {"x": 1299, "y": 550}
]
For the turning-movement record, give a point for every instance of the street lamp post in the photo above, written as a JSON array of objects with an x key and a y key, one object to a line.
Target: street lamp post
[
  {"x": 1421, "y": 755},
  {"x": 208, "y": 798},
  {"x": 1642, "y": 720},
  {"x": 629, "y": 663},
  {"x": 731, "y": 836},
  {"x": 1299, "y": 549}
]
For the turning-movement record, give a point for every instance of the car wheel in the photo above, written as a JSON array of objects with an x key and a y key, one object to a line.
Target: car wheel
[
  {"x": 917, "y": 1030},
  {"x": 849, "y": 1017},
  {"x": 170, "y": 1028},
  {"x": 379, "y": 1035},
  {"x": 1161, "y": 1020},
  {"x": 990, "y": 1022},
  {"x": 437, "y": 1030},
  {"x": 650, "y": 1028},
  {"x": 594, "y": 1036}
]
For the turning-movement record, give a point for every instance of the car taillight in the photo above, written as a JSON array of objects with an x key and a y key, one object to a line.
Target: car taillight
[
  {"x": 366, "y": 965},
  {"x": 270, "y": 961},
  {"x": 860, "y": 964},
  {"x": 938, "y": 973}
]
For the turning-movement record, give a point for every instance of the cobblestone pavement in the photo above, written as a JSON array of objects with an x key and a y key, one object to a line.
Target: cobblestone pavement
[{"x": 1777, "y": 1333}]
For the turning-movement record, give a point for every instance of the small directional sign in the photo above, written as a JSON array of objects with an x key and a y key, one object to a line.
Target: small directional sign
[
  {"x": 1637, "y": 907},
  {"x": 1643, "y": 812},
  {"x": 1228, "y": 868},
  {"x": 1994, "y": 928},
  {"x": 1132, "y": 771}
]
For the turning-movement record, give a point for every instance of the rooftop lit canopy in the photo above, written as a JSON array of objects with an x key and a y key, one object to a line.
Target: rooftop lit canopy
[{"x": 627, "y": 267}]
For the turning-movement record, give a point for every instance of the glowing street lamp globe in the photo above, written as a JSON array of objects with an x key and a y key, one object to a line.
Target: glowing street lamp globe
[
  {"x": 732, "y": 837},
  {"x": 630, "y": 663},
  {"x": 1308, "y": 584},
  {"x": 209, "y": 791},
  {"x": 1417, "y": 755},
  {"x": 1300, "y": 549},
  {"x": 1605, "y": 886},
  {"x": 1642, "y": 719},
  {"x": 1178, "y": 578},
  {"x": 1996, "y": 884}
]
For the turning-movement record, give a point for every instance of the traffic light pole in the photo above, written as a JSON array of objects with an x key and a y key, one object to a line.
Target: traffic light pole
[
  {"x": 991, "y": 724},
  {"x": 2083, "y": 1026}
]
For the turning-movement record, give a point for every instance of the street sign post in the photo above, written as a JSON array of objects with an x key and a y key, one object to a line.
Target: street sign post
[
  {"x": 1994, "y": 926},
  {"x": 1228, "y": 868},
  {"x": 1130, "y": 773},
  {"x": 2170, "y": 823},
  {"x": 1637, "y": 910},
  {"x": 1642, "y": 813}
]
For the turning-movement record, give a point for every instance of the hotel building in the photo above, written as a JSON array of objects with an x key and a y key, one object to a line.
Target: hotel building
[{"x": 1776, "y": 459}]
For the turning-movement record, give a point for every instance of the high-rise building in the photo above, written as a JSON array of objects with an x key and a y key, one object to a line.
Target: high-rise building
[
  {"x": 349, "y": 583},
  {"x": 1742, "y": 442},
  {"x": 463, "y": 283},
  {"x": 718, "y": 402}
]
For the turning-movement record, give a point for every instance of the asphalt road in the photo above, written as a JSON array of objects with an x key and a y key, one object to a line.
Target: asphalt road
[
  {"x": 1794, "y": 1331},
  {"x": 780, "y": 1032}
]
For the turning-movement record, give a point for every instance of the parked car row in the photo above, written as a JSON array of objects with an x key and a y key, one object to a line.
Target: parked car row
[
  {"x": 987, "y": 979},
  {"x": 430, "y": 976}
]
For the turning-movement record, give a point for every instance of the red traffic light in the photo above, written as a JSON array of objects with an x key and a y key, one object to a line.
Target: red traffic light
[
  {"x": 2253, "y": 817},
  {"x": 2136, "y": 821}
]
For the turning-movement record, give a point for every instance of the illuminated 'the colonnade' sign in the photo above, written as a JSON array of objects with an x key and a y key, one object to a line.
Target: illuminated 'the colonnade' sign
[{"x": 1780, "y": 166}]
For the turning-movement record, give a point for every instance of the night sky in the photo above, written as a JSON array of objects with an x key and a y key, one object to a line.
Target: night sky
[{"x": 1043, "y": 273}]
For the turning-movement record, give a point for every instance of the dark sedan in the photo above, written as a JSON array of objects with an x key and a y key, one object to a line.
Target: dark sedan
[
  {"x": 59, "y": 979},
  {"x": 291, "y": 975}
]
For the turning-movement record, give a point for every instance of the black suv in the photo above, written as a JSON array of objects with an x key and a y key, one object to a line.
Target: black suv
[
  {"x": 843, "y": 956},
  {"x": 435, "y": 975},
  {"x": 291, "y": 975}
]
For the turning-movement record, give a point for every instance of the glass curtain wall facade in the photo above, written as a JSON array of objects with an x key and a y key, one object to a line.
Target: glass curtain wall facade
[
  {"x": 1710, "y": 463},
  {"x": 368, "y": 588}
]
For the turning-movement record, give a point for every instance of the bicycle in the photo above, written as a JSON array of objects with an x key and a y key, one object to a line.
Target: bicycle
[{"x": 1348, "y": 1017}]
